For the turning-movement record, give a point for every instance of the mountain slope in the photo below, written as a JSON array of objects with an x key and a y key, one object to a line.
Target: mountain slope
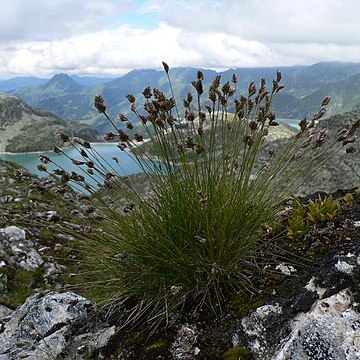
[
  {"x": 23, "y": 128},
  {"x": 305, "y": 87}
]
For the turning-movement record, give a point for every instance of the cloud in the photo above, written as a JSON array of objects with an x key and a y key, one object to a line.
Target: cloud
[
  {"x": 46, "y": 20},
  {"x": 115, "y": 51},
  {"x": 43, "y": 37},
  {"x": 269, "y": 21}
]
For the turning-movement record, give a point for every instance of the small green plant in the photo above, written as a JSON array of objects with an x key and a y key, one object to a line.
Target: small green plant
[
  {"x": 319, "y": 210},
  {"x": 195, "y": 237},
  {"x": 322, "y": 210},
  {"x": 297, "y": 224}
]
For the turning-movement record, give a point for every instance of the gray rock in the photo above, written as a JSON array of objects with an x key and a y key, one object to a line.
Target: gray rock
[
  {"x": 22, "y": 251},
  {"x": 330, "y": 331},
  {"x": 37, "y": 329},
  {"x": 46, "y": 326},
  {"x": 183, "y": 348},
  {"x": 12, "y": 233},
  {"x": 6, "y": 199}
]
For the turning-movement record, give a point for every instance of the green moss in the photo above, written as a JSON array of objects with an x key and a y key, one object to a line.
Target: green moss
[
  {"x": 160, "y": 343},
  {"x": 237, "y": 353},
  {"x": 242, "y": 304}
]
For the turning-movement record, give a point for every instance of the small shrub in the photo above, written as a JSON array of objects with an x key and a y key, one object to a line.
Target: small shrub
[{"x": 195, "y": 237}]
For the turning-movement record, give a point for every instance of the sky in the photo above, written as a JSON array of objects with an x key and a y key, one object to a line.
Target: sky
[{"x": 108, "y": 37}]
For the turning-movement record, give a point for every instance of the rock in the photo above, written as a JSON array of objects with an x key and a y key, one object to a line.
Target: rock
[
  {"x": 12, "y": 233},
  {"x": 24, "y": 254},
  {"x": 6, "y": 199},
  {"x": 330, "y": 331},
  {"x": 38, "y": 328},
  {"x": 4, "y": 312},
  {"x": 183, "y": 348}
]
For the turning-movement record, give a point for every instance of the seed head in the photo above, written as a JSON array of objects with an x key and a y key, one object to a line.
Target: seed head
[
  {"x": 166, "y": 67},
  {"x": 100, "y": 104},
  {"x": 147, "y": 92},
  {"x": 131, "y": 98},
  {"x": 326, "y": 101},
  {"x": 44, "y": 159},
  {"x": 64, "y": 137},
  {"x": 42, "y": 167}
]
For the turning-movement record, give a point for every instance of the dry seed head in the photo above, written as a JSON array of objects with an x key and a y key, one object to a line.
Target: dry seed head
[
  {"x": 64, "y": 137},
  {"x": 129, "y": 125},
  {"x": 252, "y": 89},
  {"x": 77, "y": 162},
  {"x": 59, "y": 172},
  {"x": 200, "y": 75},
  {"x": 234, "y": 78},
  {"x": 319, "y": 114},
  {"x": 278, "y": 76},
  {"x": 122, "y": 146},
  {"x": 122, "y": 117},
  {"x": 109, "y": 136},
  {"x": 83, "y": 153},
  {"x": 138, "y": 137},
  {"x": 44, "y": 159},
  {"x": 90, "y": 164},
  {"x": 253, "y": 125},
  {"x": 99, "y": 104},
  {"x": 166, "y": 67},
  {"x": 175, "y": 289},
  {"x": 57, "y": 150},
  {"x": 42, "y": 167},
  {"x": 147, "y": 92},
  {"x": 123, "y": 137},
  {"x": 326, "y": 101},
  {"x": 200, "y": 239},
  {"x": 76, "y": 177},
  {"x": 131, "y": 98}
]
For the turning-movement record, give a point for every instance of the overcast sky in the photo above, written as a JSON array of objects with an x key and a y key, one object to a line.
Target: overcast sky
[{"x": 109, "y": 37}]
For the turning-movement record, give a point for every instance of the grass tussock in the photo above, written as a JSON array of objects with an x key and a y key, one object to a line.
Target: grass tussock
[{"x": 196, "y": 236}]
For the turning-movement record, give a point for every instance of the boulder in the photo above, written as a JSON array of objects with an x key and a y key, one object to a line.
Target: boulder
[{"x": 44, "y": 328}]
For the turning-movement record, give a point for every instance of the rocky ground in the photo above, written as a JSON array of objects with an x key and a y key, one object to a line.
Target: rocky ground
[{"x": 307, "y": 307}]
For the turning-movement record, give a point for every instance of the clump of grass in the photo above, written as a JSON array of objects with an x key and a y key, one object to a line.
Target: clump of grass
[{"x": 196, "y": 237}]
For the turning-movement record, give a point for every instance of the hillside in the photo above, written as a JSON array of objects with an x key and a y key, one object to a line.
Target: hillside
[{"x": 23, "y": 128}]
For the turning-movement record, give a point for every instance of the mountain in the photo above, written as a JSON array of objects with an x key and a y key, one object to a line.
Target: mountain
[
  {"x": 305, "y": 87},
  {"x": 61, "y": 95},
  {"x": 91, "y": 80},
  {"x": 21, "y": 81},
  {"x": 23, "y": 128}
]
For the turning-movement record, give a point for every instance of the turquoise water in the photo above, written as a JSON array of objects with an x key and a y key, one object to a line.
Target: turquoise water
[{"x": 125, "y": 166}]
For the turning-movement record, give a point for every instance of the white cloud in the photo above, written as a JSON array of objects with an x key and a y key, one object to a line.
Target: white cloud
[
  {"x": 49, "y": 19},
  {"x": 41, "y": 37}
]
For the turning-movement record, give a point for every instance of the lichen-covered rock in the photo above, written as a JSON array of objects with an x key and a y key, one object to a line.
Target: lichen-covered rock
[
  {"x": 42, "y": 321},
  {"x": 322, "y": 319},
  {"x": 183, "y": 348},
  {"x": 330, "y": 331},
  {"x": 47, "y": 325},
  {"x": 22, "y": 251}
]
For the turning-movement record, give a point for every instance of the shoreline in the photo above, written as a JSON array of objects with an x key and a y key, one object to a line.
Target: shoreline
[
  {"x": 49, "y": 150},
  {"x": 64, "y": 147}
]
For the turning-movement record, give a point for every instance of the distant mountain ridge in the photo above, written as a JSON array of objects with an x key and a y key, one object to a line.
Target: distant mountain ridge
[
  {"x": 23, "y": 128},
  {"x": 305, "y": 86}
]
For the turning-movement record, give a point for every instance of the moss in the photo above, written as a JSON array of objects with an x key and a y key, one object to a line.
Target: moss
[
  {"x": 242, "y": 304},
  {"x": 237, "y": 353},
  {"x": 160, "y": 343}
]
